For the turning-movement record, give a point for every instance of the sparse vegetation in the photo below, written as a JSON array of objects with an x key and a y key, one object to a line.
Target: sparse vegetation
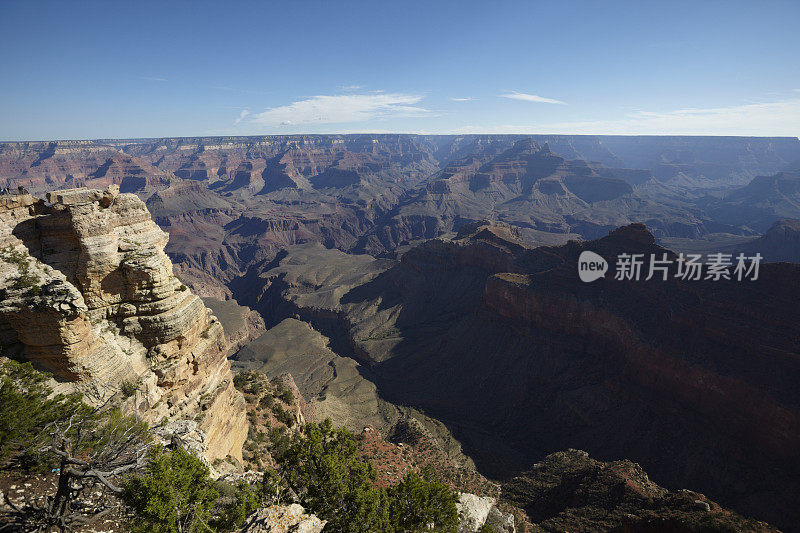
[
  {"x": 284, "y": 394},
  {"x": 322, "y": 466},
  {"x": 267, "y": 400},
  {"x": 418, "y": 501},
  {"x": 241, "y": 379},
  {"x": 386, "y": 334},
  {"x": 24, "y": 279},
  {"x": 271, "y": 411},
  {"x": 87, "y": 448},
  {"x": 235, "y": 504},
  {"x": 171, "y": 490},
  {"x": 175, "y": 493},
  {"x": 128, "y": 389},
  {"x": 283, "y": 416},
  {"x": 254, "y": 387}
]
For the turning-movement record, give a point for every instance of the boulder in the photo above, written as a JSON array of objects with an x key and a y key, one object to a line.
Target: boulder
[
  {"x": 283, "y": 519},
  {"x": 182, "y": 433},
  {"x": 500, "y": 522},
  {"x": 473, "y": 511}
]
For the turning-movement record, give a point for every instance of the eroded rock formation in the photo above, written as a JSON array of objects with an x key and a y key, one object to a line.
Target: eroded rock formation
[
  {"x": 569, "y": 491},
  {"x": 283, "y": 519},
  {"x": 88, "y": 294}
]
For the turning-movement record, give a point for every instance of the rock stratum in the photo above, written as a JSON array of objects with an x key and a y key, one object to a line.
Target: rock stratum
[
  {"x": 89, "y": 295},
  {"x": 230, "y": 202}
]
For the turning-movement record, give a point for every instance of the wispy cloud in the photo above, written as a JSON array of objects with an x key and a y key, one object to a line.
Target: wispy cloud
[
  {"x": 148, "y": 78},
  {"x": 350, "y": 87},
  {"x": 340, "y": 109},
  {"x": 241, "y": 116},
  {"x": 768, "y": 118},
  {"x": 777, "y": 118},
  {"x": 463, "y": 99},
  {"x": 525, "y": 97}
]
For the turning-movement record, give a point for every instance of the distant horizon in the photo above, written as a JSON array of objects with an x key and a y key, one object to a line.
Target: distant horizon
[{"x": 332, "y": 134}]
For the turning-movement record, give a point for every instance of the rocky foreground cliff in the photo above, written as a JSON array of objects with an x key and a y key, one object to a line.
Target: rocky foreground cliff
[{"x": 88, "y": 294}]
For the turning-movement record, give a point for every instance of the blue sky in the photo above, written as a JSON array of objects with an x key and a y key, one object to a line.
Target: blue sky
[{"x": 145, "y": 69}]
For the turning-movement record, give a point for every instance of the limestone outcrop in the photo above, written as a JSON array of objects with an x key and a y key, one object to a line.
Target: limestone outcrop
[
  {"x": 283, "y": 519},
  {"x": 473, "y": 511},
  {"x": 88, "y": 294}
]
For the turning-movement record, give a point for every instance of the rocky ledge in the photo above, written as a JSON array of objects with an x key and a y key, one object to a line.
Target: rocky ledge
[
  {"x": 570, "y": 491},
  {"x": 88, "y": 294}
]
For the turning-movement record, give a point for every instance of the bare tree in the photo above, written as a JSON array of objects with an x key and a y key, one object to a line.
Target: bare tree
[{"x": 88, "y": 448}]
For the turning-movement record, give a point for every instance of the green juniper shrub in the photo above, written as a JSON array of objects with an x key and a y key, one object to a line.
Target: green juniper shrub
[
  {"x": 24, "y": 279},
  {"x": 284, "y": 394},
  {"x": 419, "y": 502},
  {"x": 128, "y": 389},
  {"x": 254, "y": 387},
  {"x": 175, "y": 493},
  {"x": 283, "y": 415},
  {"x": 274, "y": 490},
  {"x": 267, "y": 401},
  {"x": 323, "y": 468},
  {"x": 235, "y": 503},
  {"x": 241, "y": 379},
  {"x": 26, "y": 408},
  {"x": 278, "y": 440}
]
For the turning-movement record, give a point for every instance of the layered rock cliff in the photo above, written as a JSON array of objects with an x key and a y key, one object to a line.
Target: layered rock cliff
[
  {"x": 88, "y": 294},
  {"x": 43, "y": 166},
  {"x": 230, "y": 203}
]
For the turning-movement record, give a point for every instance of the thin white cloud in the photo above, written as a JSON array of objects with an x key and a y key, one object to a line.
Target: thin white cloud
[
  {"x": 770, "y": 119},
  {"x": 241, "y": 116},
  {"x": 464, "y": 99},
  {"x": 148, "y": 78},
  {"x": 340, "y": 109},
  {"x": 525, "y": 97},
  {"x": 350, "y": 87},
  {"x": 779, "y": 118}
]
